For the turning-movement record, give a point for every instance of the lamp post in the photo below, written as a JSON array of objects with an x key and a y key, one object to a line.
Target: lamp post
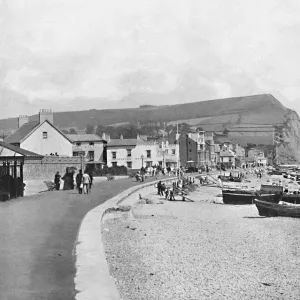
[{"x": 142, "y": 157}]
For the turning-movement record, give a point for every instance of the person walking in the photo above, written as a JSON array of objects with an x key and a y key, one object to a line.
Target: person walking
[
  {"x": 79, "y": 182},
  {"x": 86, "y": 180},
  {"x": 57, "y": 181}
]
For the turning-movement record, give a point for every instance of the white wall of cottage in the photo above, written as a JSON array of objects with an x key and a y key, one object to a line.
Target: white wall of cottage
[{"x": 55, "y": 142}]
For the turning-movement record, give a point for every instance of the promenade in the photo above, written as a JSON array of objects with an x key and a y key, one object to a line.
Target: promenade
[{"x": 38, "y": 235}]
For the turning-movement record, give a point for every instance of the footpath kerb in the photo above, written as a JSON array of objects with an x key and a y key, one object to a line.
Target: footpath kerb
[{"x": 93, "y": 280}]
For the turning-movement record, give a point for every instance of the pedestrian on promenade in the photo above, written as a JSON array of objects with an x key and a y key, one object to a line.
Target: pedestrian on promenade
[
  {"x": 159, "y": 188},
  {"x": 79, "y": 182},
  {"x": 57, "y": 181},
  {"x": 91, "y": 177},
  {"x": 86, "y": 180}
]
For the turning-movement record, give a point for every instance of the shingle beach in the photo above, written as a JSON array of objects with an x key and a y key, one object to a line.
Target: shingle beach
[{"x": 202, "y": 250}]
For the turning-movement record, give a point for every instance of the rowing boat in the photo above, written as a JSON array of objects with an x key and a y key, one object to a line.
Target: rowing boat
[
  {"x": 268, "y": 209},
  {"x": 239, "y": 197}
]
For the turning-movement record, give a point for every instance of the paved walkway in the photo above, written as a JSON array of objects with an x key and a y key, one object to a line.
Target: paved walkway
[{"x": 37, "y": 236}]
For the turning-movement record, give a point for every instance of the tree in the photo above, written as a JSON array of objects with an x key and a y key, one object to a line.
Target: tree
[
  {"x": 89, "y": 129},
  {"x": 100, "y": 130},
  {"x": 72, "y": 131},
  {"x": 65, "y": 131}
]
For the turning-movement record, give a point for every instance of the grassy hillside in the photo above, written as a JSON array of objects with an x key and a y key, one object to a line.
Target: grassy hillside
[{"x": 213, "y": 114}]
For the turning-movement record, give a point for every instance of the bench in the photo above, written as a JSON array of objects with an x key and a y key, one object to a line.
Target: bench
[{"x": 50, "y": 185}]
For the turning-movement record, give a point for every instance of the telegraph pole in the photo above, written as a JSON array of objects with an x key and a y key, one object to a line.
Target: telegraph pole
[{"x": 178, "y": 156}]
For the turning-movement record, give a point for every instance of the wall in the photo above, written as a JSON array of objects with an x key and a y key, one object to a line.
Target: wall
[
  {"x": 46, "y": 168},
  {"x": 54, "y": 143}
]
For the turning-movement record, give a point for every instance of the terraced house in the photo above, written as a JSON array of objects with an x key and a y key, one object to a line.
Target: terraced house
[
  {"x": 91, "y": 147},
  {"x": 131, "y": 153}
]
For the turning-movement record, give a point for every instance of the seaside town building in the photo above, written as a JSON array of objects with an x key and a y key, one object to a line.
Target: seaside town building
[
  {"x": 188, "y": 149},
  {"x": 91, "y": 147},
  {"x": 138, "y": 153},
  {"x": 257, "y": 156},
  {"x": 41, "y": 136}
]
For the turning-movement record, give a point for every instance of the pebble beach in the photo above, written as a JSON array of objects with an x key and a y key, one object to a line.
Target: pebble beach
[{"x": 202, "y": 250}]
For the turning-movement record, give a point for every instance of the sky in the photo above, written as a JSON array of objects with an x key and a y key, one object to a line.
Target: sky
[{"x": 85, "y": 54}]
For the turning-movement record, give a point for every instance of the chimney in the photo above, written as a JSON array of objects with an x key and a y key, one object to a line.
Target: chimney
[
  {"x": 121, "y": 137},
  {"x": 46, "y": 114},
  {"x": 105, "y": 137},
  {"x": 22, "y": 120}
]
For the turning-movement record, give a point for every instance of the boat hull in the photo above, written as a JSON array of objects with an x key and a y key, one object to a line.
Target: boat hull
[
  {"x": 246, "y": 198},
  {"x": 267, "y": 209}
]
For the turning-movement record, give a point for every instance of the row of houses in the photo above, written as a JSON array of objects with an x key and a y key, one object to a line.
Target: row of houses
[{"x": 42, "y": 138}]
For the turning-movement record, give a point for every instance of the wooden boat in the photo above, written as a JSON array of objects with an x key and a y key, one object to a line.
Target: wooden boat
[
  {"x": 239, "y": 197},
  {"x": 291, "y": 198},
  {"x": 268, "y": 209}
]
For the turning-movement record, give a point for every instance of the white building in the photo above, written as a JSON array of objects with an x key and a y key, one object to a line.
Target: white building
[
  {"x": 137, "y": 153},
  {"x": 90, "y": 146},
  {"x": 41, "y": 136}
]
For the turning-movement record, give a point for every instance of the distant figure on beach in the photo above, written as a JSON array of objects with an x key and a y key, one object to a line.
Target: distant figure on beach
[
  {"x": 286, "y": 189},
  {"x": 57, "y": 181}
]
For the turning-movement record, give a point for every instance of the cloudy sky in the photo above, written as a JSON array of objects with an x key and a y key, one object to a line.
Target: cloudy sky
[{"x": 82, "y": 54}]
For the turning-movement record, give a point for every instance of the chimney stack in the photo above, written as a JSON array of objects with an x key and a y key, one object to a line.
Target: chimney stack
[
  {"x": 46, "y": 114},
  {"x": 22, "y": 120}
]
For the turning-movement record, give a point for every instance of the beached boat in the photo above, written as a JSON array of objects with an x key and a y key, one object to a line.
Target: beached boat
[
  {"x": 240, "y": 197},
  {"x": 267, "y": 209}
]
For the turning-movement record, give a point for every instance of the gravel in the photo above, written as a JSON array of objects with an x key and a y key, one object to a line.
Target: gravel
[{"x": 202, "y": 250}]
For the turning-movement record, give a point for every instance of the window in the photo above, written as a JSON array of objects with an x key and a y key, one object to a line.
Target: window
[
  {"x": 173, "y": 151},
  {"x": 128, "y": 152},
  {"x": 114, "y": 164},
  {"x": 129, "y": 164},
  {"x": 91, "y": 155},
  {"x": 149, "y": 164},
  {"x": 45, "y": 135},
  {"x": 92, "y": 143},
  {"x": 78, "y": 144},
  {"x": 148, "y": 153},
  {"x": 114, "y": 155}
]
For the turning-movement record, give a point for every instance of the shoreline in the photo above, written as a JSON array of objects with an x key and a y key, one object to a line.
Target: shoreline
[{"x": 201, "y": 250}]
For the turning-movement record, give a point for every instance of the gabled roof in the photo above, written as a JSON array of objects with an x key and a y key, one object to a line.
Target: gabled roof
[
  {"x": 19, "y": 150},
  {"x": 21, "y": 132},
  {"x": 27, "y": 129},
  {"x": 84, "y": 138}
]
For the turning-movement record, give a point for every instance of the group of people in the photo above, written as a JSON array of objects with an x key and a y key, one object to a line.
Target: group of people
[{"x": 82, "y": 181}]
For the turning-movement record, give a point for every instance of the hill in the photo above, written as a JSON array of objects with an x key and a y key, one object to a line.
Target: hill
[{"x": 250, "y": 118}]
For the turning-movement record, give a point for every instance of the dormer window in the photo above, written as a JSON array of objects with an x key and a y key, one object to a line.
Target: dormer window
[{"x": 45, "y": 135}]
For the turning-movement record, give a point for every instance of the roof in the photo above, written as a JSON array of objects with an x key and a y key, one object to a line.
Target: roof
[
  {"x": 226, "y": 153},
  {"x": 84, "y": 138},
  {"x": 19, "y": 150},
  {"x": 122, "y": 142},
  {"x": 21, "y": 132},
  {"x": 26, "y": 129},
  {"x": 127, "y": 142}
]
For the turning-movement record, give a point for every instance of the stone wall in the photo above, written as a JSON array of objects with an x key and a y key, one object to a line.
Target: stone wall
[{"x": 45, "y": 169}]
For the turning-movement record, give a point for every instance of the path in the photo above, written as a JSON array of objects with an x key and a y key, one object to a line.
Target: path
[{"x": 37, "y": 240}]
